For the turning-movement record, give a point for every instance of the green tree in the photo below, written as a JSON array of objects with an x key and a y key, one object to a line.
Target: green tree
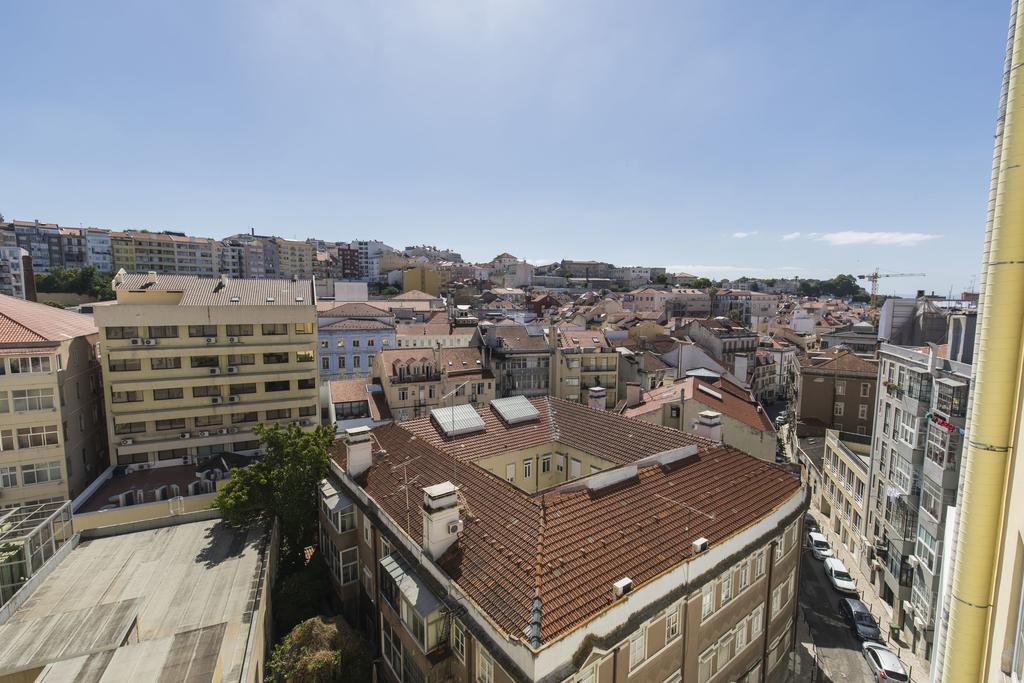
[
  {"x": 735, "y": 315},
  {"x": 660, "y": 279},
  {"x": 281, "y": 484},
  {"x": 321, "y": 651},
  {"x": 390, "y": 291},
  {"x": 701, "y": 283}
]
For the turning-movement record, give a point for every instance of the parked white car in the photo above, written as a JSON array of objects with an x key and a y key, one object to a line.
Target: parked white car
[
  {"x": 819, "y": 546},
  {"x": 839, "y": 576},
  {"x": 884, "y": 664}
]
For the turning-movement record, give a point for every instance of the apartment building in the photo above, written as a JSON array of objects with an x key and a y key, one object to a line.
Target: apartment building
[
  {"x": 915, "y": 470},
  {"x": 713, "y": 407},
  {"x": 98, "y": 249},
  {"x": 428, "y": 280},
  {"x": 41, "y": 240},
  {"x": 587, "y": 270},
  {"x": 845, "y": 474},
  {"x": 192, "y": 364},
  {"x": 520, "y": 358},
  {"x": 835, "y": 389},
  {"x": 756, "y": 309},
  {"x": 584, "y": 366},
  {"x": 437, "y": 331},
  {"x": 122, "y": 251},
  {"x": 17, "y": 276},
  {"x": 592, "y": 556},
  {"x": 729, "y": 343},
  {"x": 52, "y": 437},
  {"x": 418, "y": 380},
  {"x": 350, "y": 336}
]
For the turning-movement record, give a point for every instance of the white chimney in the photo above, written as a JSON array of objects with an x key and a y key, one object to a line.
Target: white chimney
[
  {"x": 634, "y": 394},
  {"x": 358, "y": 450},
  {"x": 441, "y": 522},
  {"x": 709, "y": 425},
  {"x": 596, "y": 397}
]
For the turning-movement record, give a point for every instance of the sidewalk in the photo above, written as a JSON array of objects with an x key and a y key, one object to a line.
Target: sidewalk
[{"x": 917, "y": 666}]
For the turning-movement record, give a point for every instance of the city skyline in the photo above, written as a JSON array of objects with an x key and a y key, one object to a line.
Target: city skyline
[{"x": 436, "y": 125}]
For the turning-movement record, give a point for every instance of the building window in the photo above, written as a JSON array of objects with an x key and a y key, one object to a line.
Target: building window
[
  {"x": 122, "y": 332},
  {"x": 125, "y": 365},
  {"x": 202, "y": 330},
  {"x": 865, "y": 389},
  {"x": 279, "y": 414},
  {"x": 528, "y": 469},
  {"x": 459, "y": 642},
  {"x": 1017, "y": 659},
  {"x": 756, "y": 621},
  {"x": 304, "y": 357},
  {"x": 707, "y": 605},
  {"x": 8, "y": 477},
  {"x": 303, "y": 328},
  {"x": 726, "y": 587},
  {"x": 37, "y": 437},
  {"x": 837, "y": 408},
  {"x": 239, "y": 330},
  {"x": 349, "y": 565},
  {"x": 392, "y": 649},
  {"x": 840, "y": 387},
  {"x": 164, "y": 425},
  {"x": 744, "y": 576},
  {"x": 170, "y": 363},
  {"x": 163, "y": 331},
  {"x": 205, "y": 391},
  {"x": 706, "y": 665},
  {"x": 277, "y": 385},
  {"x": 759, "y": 564},
  {"x": 30, "y": 364},
  {"x": 32, "y": 399},
  {"x": 39, "y": 473},
  {"x": 125, "y": 396},
  {"x": 484, "y": 666},
  {"x": 510, "y": 472},
  {"x": 672, "y": 624},
  {"x": 545, "y": 464},
  {"x": 325, "y": 363},
  {"x": 130, "y": 428},
  {"x": 862, "y": 411},
  {"x": 275, "y": 358},
  {"x": 167, "y": 394},
  {"x": 927, "y": 548},
  {"x": 637, "y": 647}
]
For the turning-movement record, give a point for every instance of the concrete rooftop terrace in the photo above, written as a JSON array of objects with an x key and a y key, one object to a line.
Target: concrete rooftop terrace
[{"x": 173, "y": 603}]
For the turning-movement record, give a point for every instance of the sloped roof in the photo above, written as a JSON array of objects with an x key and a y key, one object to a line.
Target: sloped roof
[
  {"x": 27, "y": 323},
  {"x": 567, "y": 545},
  {"x": 214, "y": 291},
  {"x": 413, "y": 295}
]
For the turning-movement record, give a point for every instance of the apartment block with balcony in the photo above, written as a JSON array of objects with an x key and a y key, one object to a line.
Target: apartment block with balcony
[
  {"x": 417, "y": 380},
  {"x": 845, "y": 473},
  {"x": 17, "y": 277},
  {"x": 192, "y": 364},
  {"x": 52, "y": 438},
  {"x": 489, "y": 581},
  {"x": 583, "y": 366},
  {"x": 915, "y": 470},
  {"x": 520, "y": 358},
  {"x": 350, "y": 337}
]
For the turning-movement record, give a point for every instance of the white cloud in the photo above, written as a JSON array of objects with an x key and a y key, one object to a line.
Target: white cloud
[
  {"x": 743, "y": 235},
  {"x": 791, "y": 236},
  {"x": 855, "y": 237}
]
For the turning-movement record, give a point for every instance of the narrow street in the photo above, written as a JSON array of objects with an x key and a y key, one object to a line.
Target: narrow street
[{"x": 838, "y": 651}]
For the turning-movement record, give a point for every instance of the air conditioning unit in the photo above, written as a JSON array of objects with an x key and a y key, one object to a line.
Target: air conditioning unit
[
  {"x": 232, "y": 430},
  {"x": 185, "y": 435},
  {"x": 232, "y": 399},
  {"x": 211, "y": 340},
  {"x": 232, "y": 370},
  {"x": 913, "y": 561},
  {"x": 127, "y": 442},
  {"x": 455, "y": 526},
  {"x": 216, "y": 400},
  {"x": 222, "y": 430},
  {"x": 621, "y": 587},
  {"x": 700, "y": 545},
  {"x": 204, "y": 433},
  {"x": 305, "y": 423},
  {"x": 234, "y": 340},
  {"x": 908, "y": 607},
  {"x": 214, "y": 371},
  {"x": 149, "y": 342},
  {"x": 137, "y": 341}
]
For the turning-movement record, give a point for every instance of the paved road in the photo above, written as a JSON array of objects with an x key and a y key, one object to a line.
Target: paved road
[{"x": 838, "y": 651}]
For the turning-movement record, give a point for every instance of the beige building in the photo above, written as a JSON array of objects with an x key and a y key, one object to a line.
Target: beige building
[
  {"x": 424, "y": 279},
  {"x": 52, "y": 441},
  {"x": 590, "y": 558},
  {"x": 192, "y": 364},
  {"x": 584, "y": 366},
  {"x": 437, "y": 332},
  {"x": 845, "y": 471},
  {"x": 418, "y": 380}
]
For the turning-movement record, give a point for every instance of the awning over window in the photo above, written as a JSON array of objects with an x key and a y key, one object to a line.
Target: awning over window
[
  {"x": 333, "y": 498},
  {"x": 411, "y": 587}
]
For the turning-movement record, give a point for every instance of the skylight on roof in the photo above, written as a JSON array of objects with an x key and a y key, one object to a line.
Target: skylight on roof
[
  {"x": 515, "y": 409},
  {"x": 457, "y": 420}
]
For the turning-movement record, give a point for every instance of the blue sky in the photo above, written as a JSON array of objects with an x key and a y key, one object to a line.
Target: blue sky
[{"x": 723, "y": 138}]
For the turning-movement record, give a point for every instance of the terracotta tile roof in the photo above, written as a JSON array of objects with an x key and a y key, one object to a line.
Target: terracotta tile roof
[
  {"x": 654, "y": 399},
  {"x": 414, "y": 295},
  {"x": 423, "y": 329},
  {"x": 351, "y": 309},
  {"x": 570, "y": 544},
  {"x": 518, "y": 338},
  {"x": 357, "y": 324},
  {"x": 838, "y": 359},
  {"x": 652, "y": 362},
  {"x": 212, "y": 291},
  {"x": 348, "y": 390},
  {"x": 570, "y": 338},
  {"x": 735, "y": 401},
  {"x": 28, "y": 323}
]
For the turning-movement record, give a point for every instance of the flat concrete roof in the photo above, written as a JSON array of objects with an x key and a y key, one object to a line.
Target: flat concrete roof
[{"x": 173, "y": 603}]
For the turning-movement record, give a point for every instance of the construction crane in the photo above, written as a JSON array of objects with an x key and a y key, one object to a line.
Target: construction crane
[{"x": 874, "y": 277}]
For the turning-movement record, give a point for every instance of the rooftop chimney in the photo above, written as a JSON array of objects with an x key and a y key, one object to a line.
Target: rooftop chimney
[
  {"x": 596, "y": 397},
  {"x": 358, "y": 450},
  {"x": 709, "y": 425},
  {"x": 441, "y": 522},
  {"x": 634, "y": 394}
]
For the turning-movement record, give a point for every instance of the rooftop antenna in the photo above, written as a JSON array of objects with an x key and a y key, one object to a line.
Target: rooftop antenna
[
  {"x": 689, "y": 510},
  {"x": 405, "y": 486}
]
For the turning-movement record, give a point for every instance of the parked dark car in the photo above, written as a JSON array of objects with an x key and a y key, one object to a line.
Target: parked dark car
[{"x": 859, "y": 617}]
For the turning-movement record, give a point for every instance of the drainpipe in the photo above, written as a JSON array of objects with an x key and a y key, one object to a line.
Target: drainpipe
[
  {"x": 994, "y": 391},
  {"x": 767, "y": 610}
]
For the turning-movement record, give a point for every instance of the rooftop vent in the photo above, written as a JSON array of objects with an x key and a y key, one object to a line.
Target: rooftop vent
[
  {"x": 270, "y": 299},
  {"x": 515, "y": 409},
  {"x": 440, "y": 496},
  {"x": 235, "y": 299},
  {"x": 457, "y": 420}
]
